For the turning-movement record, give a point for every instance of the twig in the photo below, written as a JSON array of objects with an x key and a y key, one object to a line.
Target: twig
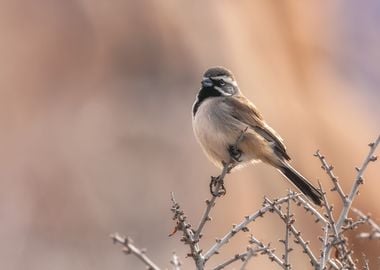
[
  {"x": 337, "y": 238},
  {"x": 175, "y": 262},
  {"x": 329, "y": 170},
  {"x": 366, "y": 235},
  {"x": 211, "y": 203},
  {"x": 243, "y": 225},
  {"x": 297, "y": 234},
  {"x": 188, "y": 234},
  {"x": 366, "y": 263},
  {"x": 130, "y": 248},
  {"x": 358, "y": 181},
  {"x": 326, "y": 229},
  {"x": 235, "y": 258},
  {"x": 288, "y": 221},
  {"x": 354, "y": 191},
  {"x": 250, "y": 253},
  {"x": 310, "y": 208},
  {"x": 375, "y": 234},
  {"x": 267, "y": 251},
  {"x": 332, "y": 225},
  {"x": 245, "y": 256}
]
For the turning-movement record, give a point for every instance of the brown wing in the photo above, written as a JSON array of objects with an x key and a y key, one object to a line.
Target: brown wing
[{"x": 244, "y": 111}]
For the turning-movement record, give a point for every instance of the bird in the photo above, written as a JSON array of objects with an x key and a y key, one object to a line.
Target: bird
[{"x": 221, "y": 113}]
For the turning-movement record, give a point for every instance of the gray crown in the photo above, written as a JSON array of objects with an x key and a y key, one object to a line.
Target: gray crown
[{"x": 218, "y": 71}]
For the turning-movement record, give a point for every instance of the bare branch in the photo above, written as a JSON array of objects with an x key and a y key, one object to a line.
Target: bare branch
[
  {"x": 358, "y": 181},
  {"x": 375, "y": 233},
  {"x": 333, "y": 230},
  {"x": 329, "y": 170},
  {"x": 366, "y": 263},
  {"x": 250, "y": 253},
  {"x": 220, "y": 179},
  {"x": 342, "y": 220},
  {"x": 310, "y": 208},
  {"x": 372, "y": 235},
  {"x": 245, "y": 256},
  {"x": 130, "y": 248},
  {"x": 338, "y": 239},
  {"x": 242, "y": 226},
  {"x": 297, "y": 234},
  {"x": 175, "y": 262},
  {"x": 211, "y": 203},
  {"x": 326, "y": 229},
  {"x": 288, "y": 222},
  {"x": 188, "y": 234},
  {"x": 267, "y": 251},
  {"x": 235, "y": 258}
]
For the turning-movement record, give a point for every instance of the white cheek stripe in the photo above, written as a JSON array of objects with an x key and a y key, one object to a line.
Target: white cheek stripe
[{"x": 222, "y": 92}]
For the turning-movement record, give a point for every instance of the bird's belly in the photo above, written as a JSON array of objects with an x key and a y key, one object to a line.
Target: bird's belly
[
  {"x": 213, "y": 139},
  {"x": 216, "y": 137},
  {"x": 216, "y": 141}
]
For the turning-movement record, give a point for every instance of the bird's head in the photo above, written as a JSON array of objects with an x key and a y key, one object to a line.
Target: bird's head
[{"x": 220, "y": 79}]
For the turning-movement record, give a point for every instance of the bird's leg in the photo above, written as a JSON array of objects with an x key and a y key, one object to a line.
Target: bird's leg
[
  {"x": 217, "y": 187},
  {"x": 235, "y": 153}
]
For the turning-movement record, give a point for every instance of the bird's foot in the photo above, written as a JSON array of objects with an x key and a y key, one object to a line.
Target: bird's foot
[
  {"x": 235, "y": 153},
  {"x": 217, "y": 187}
]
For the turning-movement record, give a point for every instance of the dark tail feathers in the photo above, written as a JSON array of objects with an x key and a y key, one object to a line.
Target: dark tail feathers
[{"x": 302, "y": 184}]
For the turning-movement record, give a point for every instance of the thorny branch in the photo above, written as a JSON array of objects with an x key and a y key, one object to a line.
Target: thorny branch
[
  {"x": 267, "y": 251},
  {"x": 242, "y": 226},
  {"x": 375, "y": 233},
  {"x": 218, "y": 185},
  {"x": 188, "y": 234},
  {"x": 325, "y": 242},
  {"x": 329, "y": 170},
  {"x": 244, "y": 257},
  {"x": 348, "y": 199},
  {"x": 288, "y": 222},
  {"x": 297, "y": 234},
  {"x": 359, "y": 180},
  {"x": 337, "y": 239},
  {"x": 333, "y": 231},
  {"x": 175, "y": 262},
  {"x": 130, "y": 248}
]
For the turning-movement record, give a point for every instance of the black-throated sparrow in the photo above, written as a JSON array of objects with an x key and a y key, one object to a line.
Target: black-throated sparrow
[{"x": 221, "y": 113}]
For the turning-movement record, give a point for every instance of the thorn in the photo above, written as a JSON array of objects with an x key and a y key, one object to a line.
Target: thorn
[{"x": 245, "y": 229}]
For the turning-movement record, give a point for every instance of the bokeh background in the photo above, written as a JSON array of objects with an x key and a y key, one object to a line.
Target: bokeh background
[{"x": 95, "y": 118}]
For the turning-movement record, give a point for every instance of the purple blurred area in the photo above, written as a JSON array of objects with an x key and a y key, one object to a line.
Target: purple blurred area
[{"x": 95, "y": 118}]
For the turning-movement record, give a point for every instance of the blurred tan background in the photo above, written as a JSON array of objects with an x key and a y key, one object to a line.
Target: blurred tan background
[{"x": 95, "y": 118}]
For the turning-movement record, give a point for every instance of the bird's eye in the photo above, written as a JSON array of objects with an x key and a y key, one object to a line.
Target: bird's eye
[{"x": 222, "y": 82}]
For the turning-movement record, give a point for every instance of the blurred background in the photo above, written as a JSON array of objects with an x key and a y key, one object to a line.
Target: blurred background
[{"x": 95, "y": 118}]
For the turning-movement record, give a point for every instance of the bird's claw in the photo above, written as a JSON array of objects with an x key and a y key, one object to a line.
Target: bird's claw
[
  {"x": 217, "y": 187},
  {"x": 235, "y": 153}
]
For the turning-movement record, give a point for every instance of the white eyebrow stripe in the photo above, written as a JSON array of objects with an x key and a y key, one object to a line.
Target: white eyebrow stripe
[{"x": 225, "y": 78}]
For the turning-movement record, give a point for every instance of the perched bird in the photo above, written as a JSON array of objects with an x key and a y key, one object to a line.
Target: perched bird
[{"x": 220, "y": 114}]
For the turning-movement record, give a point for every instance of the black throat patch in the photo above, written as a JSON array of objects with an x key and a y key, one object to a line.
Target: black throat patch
[{"x": 205, "y": 93}]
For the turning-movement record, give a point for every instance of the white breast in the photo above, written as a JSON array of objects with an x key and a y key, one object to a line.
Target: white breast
[{"x": 212, "y": 130}]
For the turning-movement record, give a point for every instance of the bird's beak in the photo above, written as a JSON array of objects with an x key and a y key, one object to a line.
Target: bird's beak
[{"x": 207, "y": 82}]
